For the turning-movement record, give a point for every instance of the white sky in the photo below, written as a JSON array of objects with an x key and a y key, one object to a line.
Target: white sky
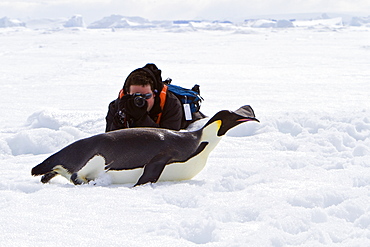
[{"x": 93, "y": 10}]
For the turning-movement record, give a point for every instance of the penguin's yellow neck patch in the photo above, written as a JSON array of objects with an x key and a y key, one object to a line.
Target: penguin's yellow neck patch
[{"x": 219, "y": 123}]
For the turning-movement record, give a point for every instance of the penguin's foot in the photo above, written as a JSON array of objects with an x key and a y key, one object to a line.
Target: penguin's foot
[
  {"x": 48, "y": 176},
  {"x": 75, "y": 179}
]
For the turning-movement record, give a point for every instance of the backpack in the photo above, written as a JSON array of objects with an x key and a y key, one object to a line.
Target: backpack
[{"x": 190, "y": 100}]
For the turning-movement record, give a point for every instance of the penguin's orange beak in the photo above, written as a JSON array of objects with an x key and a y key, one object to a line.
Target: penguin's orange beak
[{"x": 248, "y": 119}]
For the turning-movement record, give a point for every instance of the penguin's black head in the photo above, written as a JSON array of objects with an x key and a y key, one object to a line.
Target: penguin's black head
[{"x": 230, "y": 119}]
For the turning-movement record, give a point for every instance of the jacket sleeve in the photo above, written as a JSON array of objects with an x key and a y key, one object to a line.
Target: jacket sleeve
[
  {"x": 109, "y": 117},
  {"x": 111, "y": 120}
]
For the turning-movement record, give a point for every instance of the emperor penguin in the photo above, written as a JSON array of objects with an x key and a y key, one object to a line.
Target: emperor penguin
[{"x": 142, "y": 155}]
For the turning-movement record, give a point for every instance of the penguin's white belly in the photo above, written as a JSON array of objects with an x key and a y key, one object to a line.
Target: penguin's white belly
[
  {"x": 184, "y": 171},
  {"x": 171, "y": 172},
  {"x": 95, "y": 168},
  {"x": 125, "y": 176}
]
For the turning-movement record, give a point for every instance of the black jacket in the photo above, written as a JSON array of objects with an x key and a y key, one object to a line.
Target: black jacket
[{"x": 171, "y": 115}]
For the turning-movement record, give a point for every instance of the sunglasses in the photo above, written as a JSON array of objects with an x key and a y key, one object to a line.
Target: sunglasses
[{"x": 145, "y": 96}]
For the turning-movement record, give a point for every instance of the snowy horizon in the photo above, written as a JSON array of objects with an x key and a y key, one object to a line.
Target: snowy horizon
[
  {"x": 232, "y": 10},
  {"x": 299, "y": 16},
  {"x": 137, "y": 22}
]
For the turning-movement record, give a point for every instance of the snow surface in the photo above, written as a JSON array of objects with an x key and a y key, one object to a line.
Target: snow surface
[{"x": 301, "y": 177}]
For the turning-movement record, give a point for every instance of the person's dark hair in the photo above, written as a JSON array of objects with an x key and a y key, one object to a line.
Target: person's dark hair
[{"x": 140, "y": 78}]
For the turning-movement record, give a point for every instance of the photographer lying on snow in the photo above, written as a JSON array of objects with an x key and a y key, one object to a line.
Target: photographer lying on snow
[{"x": 144, "y": 101}]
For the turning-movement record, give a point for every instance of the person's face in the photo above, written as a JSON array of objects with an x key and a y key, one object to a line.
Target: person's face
[{"x": 143, "y": 90}]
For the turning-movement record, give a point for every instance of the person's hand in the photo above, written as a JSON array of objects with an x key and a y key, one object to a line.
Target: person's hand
[
  {"x": 133, "y": 110},
  {"x": 122, "y": 102}
]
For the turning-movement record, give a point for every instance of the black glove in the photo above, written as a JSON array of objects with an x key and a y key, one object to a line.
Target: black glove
[
  {"x": 133, "y": 110},
  {"x": 119, "y": 121},
  {"x": 122, "y": 102}
]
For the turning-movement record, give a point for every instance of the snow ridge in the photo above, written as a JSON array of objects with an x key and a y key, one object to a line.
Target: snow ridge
[{"x": 135, "y": 22}]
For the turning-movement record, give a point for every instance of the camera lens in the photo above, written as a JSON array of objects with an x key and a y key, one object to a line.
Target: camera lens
[{"x": 139, "y": 101}]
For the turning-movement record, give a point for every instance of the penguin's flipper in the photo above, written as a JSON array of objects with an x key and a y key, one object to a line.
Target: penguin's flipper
[{"x": 153, "y": 170}]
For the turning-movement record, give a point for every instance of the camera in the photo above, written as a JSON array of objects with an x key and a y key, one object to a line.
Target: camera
[{"x": 140, "y": 99}]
